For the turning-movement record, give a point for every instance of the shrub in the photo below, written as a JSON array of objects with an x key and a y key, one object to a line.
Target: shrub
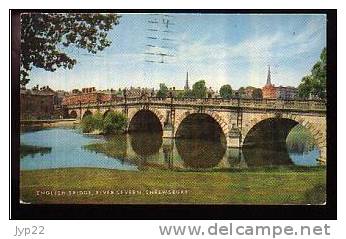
[
  {"x": 98, "y": 121},
  {"x": 87, "y": 124},
  {"x": 114, "y": 122}
]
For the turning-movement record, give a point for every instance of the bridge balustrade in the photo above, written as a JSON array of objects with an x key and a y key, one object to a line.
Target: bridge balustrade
[
  {"x": 225, "y": 102},
  {"x": 289, "y": 104},
  {"x": 133, "y": 100},
  {"x": 302, "y": 105},
  {"x": 233, "y": 102},
  {"x": 120, "y": 100},
  {"x": 319, "y": 105}
]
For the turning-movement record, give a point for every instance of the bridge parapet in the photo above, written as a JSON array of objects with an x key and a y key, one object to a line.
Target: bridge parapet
[
  {"x": 300, "y": 105},
  {"x": 247, "y": 103}
]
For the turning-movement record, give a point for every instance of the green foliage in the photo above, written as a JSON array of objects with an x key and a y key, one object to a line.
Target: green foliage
[
  {"x": 188, "y": 94},
  {"x": 163, "y": 91},
  {"x": 114, "y": 122},
  {"x": 87, "y": 124},
  {"x": 199, "y": 90},
  {"x": 98, "y": 121},
  {"x": 185, "y": 94},
  {"x": 315, "y": 83},
  {"x": 300, "y": 140},
  {"x": 257, "y": 94},
  {"x": 226, "y": 91},
  {"x": 306, "y": 87},
  {"x": 180, "y": 94},
  {"x": 241, "y": 91},
  {"x": 45, "y": 35}
]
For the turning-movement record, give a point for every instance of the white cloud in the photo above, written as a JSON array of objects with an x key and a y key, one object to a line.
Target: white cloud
[
  {"x": 215, "y": 60},
  {"x": 241, "y": 64}
]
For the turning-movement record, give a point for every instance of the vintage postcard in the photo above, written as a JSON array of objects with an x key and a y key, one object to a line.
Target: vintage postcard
[{"x": 173, "y": 108}]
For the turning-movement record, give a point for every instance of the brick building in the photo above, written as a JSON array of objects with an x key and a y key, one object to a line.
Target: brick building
[
  {"x": 286, "y": 93},
  {"x": 139, "y": 92},
  {"x": 270, "y": 91},
  {"x": 88, "y": 96},
  {"x": 91, "y": 95},
  {"x": 36, "y": 104}
]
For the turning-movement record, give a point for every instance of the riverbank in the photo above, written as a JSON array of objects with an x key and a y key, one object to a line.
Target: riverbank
[
  {"x": 105, "y": 186},
  {"x": 49, "y": 123}
]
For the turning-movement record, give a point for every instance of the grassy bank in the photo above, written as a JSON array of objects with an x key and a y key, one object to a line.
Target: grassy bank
[{"x": 274, "y": 186}]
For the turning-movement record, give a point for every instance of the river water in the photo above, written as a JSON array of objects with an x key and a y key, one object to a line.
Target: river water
[{"x": 138, "y": 151}]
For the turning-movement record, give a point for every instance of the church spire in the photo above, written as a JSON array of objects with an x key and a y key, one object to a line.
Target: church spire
[
  {"x": 269, "y": 77},
  {"x": 187, "y": 81}
]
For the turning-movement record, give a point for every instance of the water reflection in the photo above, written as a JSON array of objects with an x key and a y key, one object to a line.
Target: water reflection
[
  {"x": 146, "y": 144},
  {"x": 138, "y": 150},
  {"x": 168, "y": 152},
  {"x": 67, "y": 151},
  {"x": 116, "y": 146},
  {"x": 199, "y": 153},
  {"x": 26, "y": 150},
  {"x": 266, "y": 154}
]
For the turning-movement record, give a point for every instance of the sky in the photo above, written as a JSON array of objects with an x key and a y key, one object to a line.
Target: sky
[{"x": 233, "y": 49}]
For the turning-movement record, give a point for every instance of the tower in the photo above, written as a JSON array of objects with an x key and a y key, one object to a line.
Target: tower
[
  {"x": 269, "y": 91},
  {"x": 186, "y": 87},
  {"x": 269, "y": 77}
]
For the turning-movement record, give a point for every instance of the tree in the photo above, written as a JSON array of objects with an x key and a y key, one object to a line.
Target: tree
[
  {"x": 90, "y": 123},
  {"x": 98, "y": 121},
  {"x": 45, "y": 35},
  {"x": 305, "y": 88},
  {"x": 257, "y": 93},
  {"x": 87, "y": 124},
  {"x": 226, "y": 91},
  {"x": 199, "y": 90},
  {"x": 180, "y": 94},
  {"x": 315, "y": 83},
  {"x": 163, "y": 91},
  {"x": 188, "y": 94},
  {"x": 241, "y": 91},
  {"x": 114, "y": 122}
]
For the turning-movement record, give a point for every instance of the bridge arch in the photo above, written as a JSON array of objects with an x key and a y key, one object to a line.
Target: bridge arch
[
  {"x": 86, "y": 113},
  {"x": 145, "y": 120},
  {"x": 211, "y": 133},
  {"x": 73, "y": 114},
  {"x": 204, "y": 124},
  {"x": 107, "y": 112},
  {"x": 282, "y": 124}
]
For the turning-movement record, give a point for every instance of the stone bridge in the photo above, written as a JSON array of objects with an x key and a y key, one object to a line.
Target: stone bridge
[{"x": 239, "y": 122}]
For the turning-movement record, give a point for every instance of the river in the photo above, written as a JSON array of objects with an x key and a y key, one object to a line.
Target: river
[{"x": 66, "y": 147}]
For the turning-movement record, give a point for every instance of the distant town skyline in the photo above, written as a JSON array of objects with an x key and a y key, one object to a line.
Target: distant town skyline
[{"x": 233, "y": 49}]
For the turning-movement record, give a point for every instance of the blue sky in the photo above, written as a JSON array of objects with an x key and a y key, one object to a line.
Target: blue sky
[{"x": 230, "y": 49}]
